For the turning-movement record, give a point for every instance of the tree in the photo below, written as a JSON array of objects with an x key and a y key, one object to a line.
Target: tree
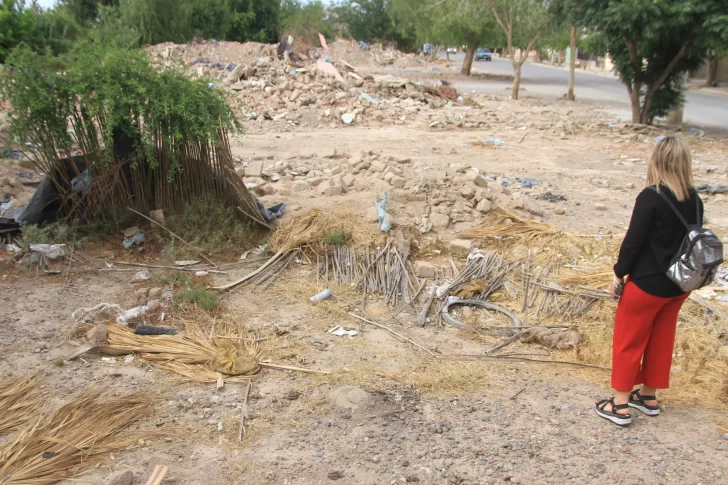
[
  {"x": 56, "y": 30},
  {"x": 304, "y": 20},
  {"x": 16, "y": 26},
  {"x": 566, "y": 12},
  {"x": 366, "y": 20},
  {"x": 86, "y": 12},
  {"x": 158, "y": 20},
  {"x": 651, "y": 44},
  {"x": 523, "y": 22},
  {"x": 717, "y": 47},
  {"x": 254, "y": 20}
]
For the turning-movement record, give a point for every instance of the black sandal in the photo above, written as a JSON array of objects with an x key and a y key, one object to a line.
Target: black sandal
[
  {"x": 637, "y": 401},
  {"x": 613, "y": 416}
]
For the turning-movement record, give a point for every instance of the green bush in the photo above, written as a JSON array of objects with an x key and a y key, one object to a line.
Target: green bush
[
  {"x": 202, "y": 297},
  {"x": 188, "y": 289},
  {"x": 336, "y": 237},
  {"x": 56, "y": 233}
]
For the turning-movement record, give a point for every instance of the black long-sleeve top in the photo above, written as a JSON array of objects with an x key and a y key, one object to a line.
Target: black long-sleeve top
[{"x": 653, "y": 238}]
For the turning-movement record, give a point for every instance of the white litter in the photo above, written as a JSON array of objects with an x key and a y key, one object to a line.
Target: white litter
[
  {"x": 141, "y": 276},
  {"x": 201, "y": 273},
  {"x": 340, "y": 331},
  {"x": 131, "y": 315},
  {"x": 50, "y": 251}
]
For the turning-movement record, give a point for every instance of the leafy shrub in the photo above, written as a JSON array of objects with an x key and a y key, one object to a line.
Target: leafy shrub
[
  {"x": 56, "y": 233},
  {"x": 336, "y": 237}
]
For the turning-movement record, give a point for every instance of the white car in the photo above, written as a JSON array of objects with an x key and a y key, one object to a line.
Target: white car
[{"x": 452, "y": 50}]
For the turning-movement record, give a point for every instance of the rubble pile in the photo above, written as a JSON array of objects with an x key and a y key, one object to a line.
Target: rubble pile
[{"x": 430, "y": 200}]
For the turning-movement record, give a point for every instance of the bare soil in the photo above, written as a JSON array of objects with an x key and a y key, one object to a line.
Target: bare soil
[{"x": 388, "y": 412}]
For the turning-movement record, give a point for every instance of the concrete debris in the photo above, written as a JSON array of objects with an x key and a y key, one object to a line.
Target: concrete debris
[{"x": 423, "y": 269}]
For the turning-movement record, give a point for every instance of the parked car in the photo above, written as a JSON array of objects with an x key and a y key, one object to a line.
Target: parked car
[
  {"x": 452, "y": 50},
  {"x": 483, "y": 54}
]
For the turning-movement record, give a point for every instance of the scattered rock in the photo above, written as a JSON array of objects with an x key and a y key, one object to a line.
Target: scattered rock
[
  {"x": 254, "y": 168},
  {"x": 425, "y": 269},
  {"x": 397, "y": 182},
  {"x": 480, "y": 181},
  {"x": 372, "y": 214},
  {"x": 349, "y": 397},
  {"x": 97, "y": 335},
  {"x": 120, "y": 477},
  {"x": 484, "y": 206},
  {"x": 600, "y": 207},
  {"x": 300, "y": 186},
  {"x": 332, "y": 190},
  {"x": 460, "y": 247},
  {"x": 335, "y": 475},
  {"x": 467, "y": 192},
  {"x": 439, "y": 221}
]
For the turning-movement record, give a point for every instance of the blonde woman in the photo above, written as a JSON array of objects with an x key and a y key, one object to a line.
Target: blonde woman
[{"x": 646, "y": 319}]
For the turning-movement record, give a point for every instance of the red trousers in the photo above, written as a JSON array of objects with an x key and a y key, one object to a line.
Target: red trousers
[{"x": 644, "y": 338}]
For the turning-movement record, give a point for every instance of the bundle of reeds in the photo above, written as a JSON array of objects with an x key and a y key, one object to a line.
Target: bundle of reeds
[
  {"x": 19, "y": 402},
  {"x": 78, "y": 435},
  {"x": 504, "y": 224}
]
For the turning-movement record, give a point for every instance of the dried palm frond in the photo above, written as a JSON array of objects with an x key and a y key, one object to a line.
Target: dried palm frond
[
  {"x": 81, "y": 433},
  {"x": 311, "y": 229},
  {"x": 501, "y": 224},
  {"x": 19, "y": 400},
  {"x": 596, "y": 280}
]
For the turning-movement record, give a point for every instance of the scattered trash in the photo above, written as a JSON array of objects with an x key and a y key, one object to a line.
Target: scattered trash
[
  {"x": 469, "y": 290},
  {"x": 154, "y": 330},
  {"x": 157, "y": 216},
  {"x": 82, "y": 183},
  {"x": 48, "y": 251},
  {"x": 321, "y": 296},
  {"x": 492, "y": 141},
  {"x": 363, "y": 45},
  {"x": 323, "y": 41},
  {"x": 328, "y": 68},
  {"x": 271, "y": 213},
  {"x": 190, "y": 262},
  {"x": 340, "y": 331},
  {"x": 12, "y": 248},
  {"x": 129, "y": 359},
  {"x": 558, "y": 338},
  {"x": 713, "y": 188},
  {"x": 201, "y": 273},
  {"x": 659, "y": 138},
  {"x": 141, "y": 276},
  {"x": 385, "y": 220},
  {"x": 460, "y": 99},
  {"x": 528, "y": 183},
  {"x": 548, "y": 196},
  {"x": 100, "y": 312},
  {"x": 369, "y": 98},
  {"x": 131, "y": 315},
  {"x": 108, "y": 360},
  {"x": 135, "y": 240},
  {"x": 348, "y": 118}
]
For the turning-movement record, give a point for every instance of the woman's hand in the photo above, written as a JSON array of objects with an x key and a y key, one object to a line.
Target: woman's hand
[{"x": 613, "y": 289}]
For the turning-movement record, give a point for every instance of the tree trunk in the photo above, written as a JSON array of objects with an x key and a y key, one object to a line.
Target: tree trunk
[
  {"x": 468, "y": 62},
  {"x": 634, "y": 100},
  {"x": 712, "y": 71},
  {"x": 447, "y": 53},
  {"x": 572, "y": 64},
  {"x": 516, "y": 80},
  {"x": 676, "y": 117}
]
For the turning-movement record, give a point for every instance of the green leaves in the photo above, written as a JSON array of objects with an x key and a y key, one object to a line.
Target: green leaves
[{"x": 97, "y": 89}]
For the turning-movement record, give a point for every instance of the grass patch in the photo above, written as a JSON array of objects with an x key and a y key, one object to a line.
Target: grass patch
[
  {"x": 190, "y": 290},
  {"x": 210, "y": 226},
  {"x": 55, "y": 233},
  {"x": 337, "y": 237},
  {"x": 202, "y": 297}
]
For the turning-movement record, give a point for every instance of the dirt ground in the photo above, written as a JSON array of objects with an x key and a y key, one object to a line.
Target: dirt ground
[{"x": 389, "y": 412}]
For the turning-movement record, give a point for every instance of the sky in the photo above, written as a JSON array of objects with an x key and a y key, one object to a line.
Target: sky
[{"x": 45, "y": 3}]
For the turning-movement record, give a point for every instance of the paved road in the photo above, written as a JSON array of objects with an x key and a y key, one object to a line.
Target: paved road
[{"x": 701, "y": 109}]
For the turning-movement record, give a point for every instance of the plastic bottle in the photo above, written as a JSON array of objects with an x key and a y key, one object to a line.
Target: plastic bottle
[{"x": 321, "y": 296}]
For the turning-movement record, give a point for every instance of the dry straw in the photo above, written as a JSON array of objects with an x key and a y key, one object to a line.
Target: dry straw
[
  {"x": 78, "y": 435},
  {"x": 19, "y": 401},
  {"x": 501, "y": 223}
]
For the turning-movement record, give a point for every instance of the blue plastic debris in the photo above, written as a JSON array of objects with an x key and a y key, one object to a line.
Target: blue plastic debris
[
  {"x": 493, "y": 141},
  {"x": 369, "y": 98},
  {"x": 527, "y": 183},
  {"x": 81, "y": 184},
  {"x": 211, "y": 85},
  {"x": 363, "y": 45},
  {"x": 385, "y": 220},
  {"x": 292, "y": 73},
  {"x": 659, "y": 138},
  {"x": 136, "y": 239}
]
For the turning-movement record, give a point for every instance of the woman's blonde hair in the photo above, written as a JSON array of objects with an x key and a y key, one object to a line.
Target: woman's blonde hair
[{"x": 672, "y": 165}]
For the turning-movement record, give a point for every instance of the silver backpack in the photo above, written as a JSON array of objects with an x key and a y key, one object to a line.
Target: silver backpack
[{"x": 701, "y": 252}]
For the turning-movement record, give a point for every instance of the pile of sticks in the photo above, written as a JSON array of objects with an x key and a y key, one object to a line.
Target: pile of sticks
[
  {"x": 383, "y": 271},
  {"x": 488, "y": 266}
]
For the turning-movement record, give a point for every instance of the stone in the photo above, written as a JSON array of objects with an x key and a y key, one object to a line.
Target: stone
[
  {"x": 467, "y": 192},
  {"x": 388, "y": 177},
  {"x": 397, "y": 182},
  {"x": 300, "y": 186},
  {"x": 332, "y": 190},
  {"x": 372, "y": 214},
  {"x": 337, "y": 170},
  {"x": 377, "y": 166},
  {"x": 354, "y": 161},
  {"x": 254, "y": 168},
  {"x": 316, "y": 181},
  {"x": 439, "y": 221},
  {"x": 120, "y": 477},
  {"x": 393, "y": 170},
  {"x": 348, "y": 180},
  {"x": 460, "y": 247},
  {"x": 480, "y": 181},
  {"x": 484, "y": 206},
  {"x": 294, "y": 96},
  {"x": 349, "y": 397},
  {"x": 361, "y": 166},
  {"x": 424, "y": 269},
  {"x": 600, "y": 207}
]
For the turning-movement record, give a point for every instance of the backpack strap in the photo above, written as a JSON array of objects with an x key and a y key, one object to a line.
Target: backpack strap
[{"x": 674, "y": 209}]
